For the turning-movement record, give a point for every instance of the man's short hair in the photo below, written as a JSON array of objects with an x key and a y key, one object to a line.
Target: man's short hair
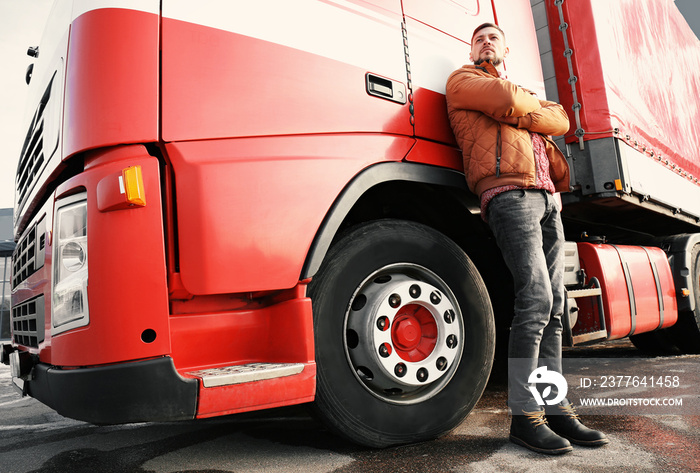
[{"x": 488, "y": 25}]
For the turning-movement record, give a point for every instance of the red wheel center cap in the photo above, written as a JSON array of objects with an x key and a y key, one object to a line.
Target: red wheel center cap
[
  {"x": 407, "y": 333},
  {"x": 414, "y": 333}
]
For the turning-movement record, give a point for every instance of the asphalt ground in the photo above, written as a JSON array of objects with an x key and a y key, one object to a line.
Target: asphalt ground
[{"x": 35, "y": 438}]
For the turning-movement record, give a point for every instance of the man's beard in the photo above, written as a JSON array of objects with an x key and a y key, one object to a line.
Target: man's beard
[{"x": 495, "y": 62}]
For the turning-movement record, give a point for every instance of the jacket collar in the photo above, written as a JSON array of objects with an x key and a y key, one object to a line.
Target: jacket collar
[{"x": 488, "y": 68}]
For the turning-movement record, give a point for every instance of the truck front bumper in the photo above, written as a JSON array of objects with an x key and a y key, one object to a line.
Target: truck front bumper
[{"x": 141, "y": 391}]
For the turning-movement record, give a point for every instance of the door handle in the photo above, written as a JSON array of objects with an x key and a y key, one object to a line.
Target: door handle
[{"x": 385, "y": 88}]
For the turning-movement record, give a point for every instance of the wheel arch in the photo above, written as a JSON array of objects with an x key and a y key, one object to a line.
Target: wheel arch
[{"x": 437, "y": 197}]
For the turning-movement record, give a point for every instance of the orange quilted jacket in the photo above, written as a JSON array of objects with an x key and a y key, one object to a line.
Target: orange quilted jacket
[{"x": 496, "y": 154}]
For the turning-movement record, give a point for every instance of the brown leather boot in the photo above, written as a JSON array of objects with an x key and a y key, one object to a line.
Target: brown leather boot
[
  {"x": 531, "y": 431},
  {"x": 567, "y": 424}
]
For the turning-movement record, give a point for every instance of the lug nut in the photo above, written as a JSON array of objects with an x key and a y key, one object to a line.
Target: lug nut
[
  {"x": 384, "y": 350},
  {"x": 422, "y": 375},
  {"x": 394, "y": 301},
  {"x": 383, "y": 323},
  {"x": 441, "y": 363},
  {"x": 452, "y": 341},
  {"x": 400, "y": 370},
  {"x": 449, "y": 316},
  {"x": 435, "y": 297},
  {"x": 414, "y": 291}
]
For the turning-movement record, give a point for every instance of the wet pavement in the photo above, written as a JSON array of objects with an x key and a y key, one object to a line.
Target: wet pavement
[{"x": 35, "y": 438}]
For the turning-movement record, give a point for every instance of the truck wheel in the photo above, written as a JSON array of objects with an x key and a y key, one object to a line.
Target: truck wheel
[
  {"x": 686, "y": 332},
  {"x": 404, "y": 334},
  {"x": 657, "y": 343}
]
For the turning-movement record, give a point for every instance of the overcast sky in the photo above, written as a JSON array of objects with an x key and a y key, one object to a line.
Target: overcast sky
[{"x": 21, "y": 24}]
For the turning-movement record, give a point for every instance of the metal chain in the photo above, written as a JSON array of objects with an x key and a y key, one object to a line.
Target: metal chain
[
  {"x": 568, "y": 52},
  {"x": 409, "y": 82}
]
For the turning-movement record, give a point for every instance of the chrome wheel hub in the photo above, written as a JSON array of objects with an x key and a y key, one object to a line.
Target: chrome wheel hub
[{"x": 404, "y": 333}]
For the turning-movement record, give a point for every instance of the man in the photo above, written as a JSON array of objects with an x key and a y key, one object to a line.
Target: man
[{"x": 515, "y": 169}]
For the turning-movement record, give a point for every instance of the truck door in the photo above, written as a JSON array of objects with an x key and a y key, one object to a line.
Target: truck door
[
  {"x": 273, "y": 67},
  {"x": 439, "y": 35},
  {"x": 269, "y": 103}
]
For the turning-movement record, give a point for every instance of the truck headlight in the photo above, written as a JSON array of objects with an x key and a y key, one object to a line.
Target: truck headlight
[{"x": 69, "y": 308}]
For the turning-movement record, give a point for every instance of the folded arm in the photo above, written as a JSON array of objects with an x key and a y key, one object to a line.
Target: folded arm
[
  {"x": 506, "y": 102},
  {"x": 489, "y": 95},
  {"x": 549, "y": 119}
]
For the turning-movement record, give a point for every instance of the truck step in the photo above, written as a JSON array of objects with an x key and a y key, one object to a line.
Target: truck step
[
  {"x": 590, "y": 337},
  {"x": 576, "y": 293},
  {"x": 238, "y": 374}
]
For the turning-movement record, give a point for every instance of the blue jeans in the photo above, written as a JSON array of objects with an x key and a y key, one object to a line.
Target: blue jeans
[{"x": 528, "y": 229}]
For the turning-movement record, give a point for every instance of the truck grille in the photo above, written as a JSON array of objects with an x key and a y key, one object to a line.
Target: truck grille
[
  {"x": 29, "y": 254},
  {"x": 28, "y": 323},
  {"x": 33, "y": 157}
]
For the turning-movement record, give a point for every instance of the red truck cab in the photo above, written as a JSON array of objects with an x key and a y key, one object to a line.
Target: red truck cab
[{"x": 236, "y": 206}]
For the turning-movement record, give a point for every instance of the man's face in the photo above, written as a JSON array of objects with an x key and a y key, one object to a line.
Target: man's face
[{"x": 488, "y": 44}]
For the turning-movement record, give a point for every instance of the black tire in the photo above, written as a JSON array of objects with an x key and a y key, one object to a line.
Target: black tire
[
  {"x": 657, "y": 343},
  {"x": 358, "y": 395},
  {"x": 686, "y": 332}
]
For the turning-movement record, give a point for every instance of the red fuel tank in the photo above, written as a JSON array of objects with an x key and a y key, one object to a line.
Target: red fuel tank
[{"x": 637, "y": 285}]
